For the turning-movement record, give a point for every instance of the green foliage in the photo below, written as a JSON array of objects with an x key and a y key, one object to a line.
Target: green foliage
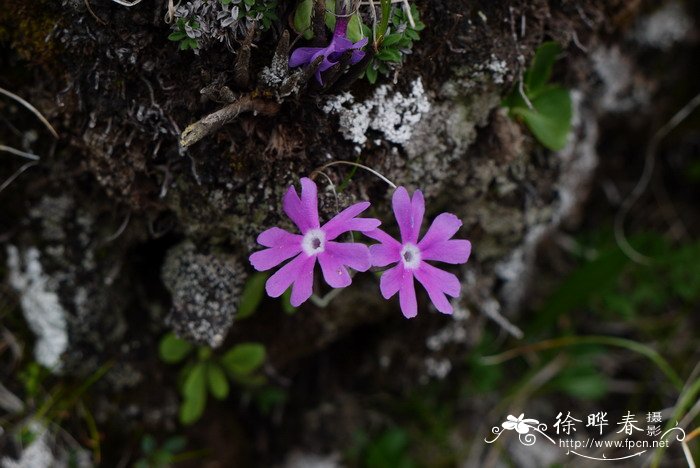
[
  {"x": 613, "y": 285},
  {"x": 252, "y": 294},
  {"x": 393, "y": 43},
  {"x": 32, "y": 376},
  {"x": 287, "y": 302},
  {"x": 354, "y": 33},
  {"x": 266, "y": 10},
  {"x": 244, "y": 359},
  {"x": 180, "y": 34},
  {"x": 304, "y": 14},
  {"x": 545, "y": 108},
  {"x": 172, "y": 349},
  {"x": 154, "y": 456},
  {"x": 389, "y": 449},
  {"x": 581, "y": 378},
  {"x": 207, "y": 373}
]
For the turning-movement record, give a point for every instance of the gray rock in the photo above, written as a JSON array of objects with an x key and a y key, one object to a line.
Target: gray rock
[{"x": 205, "y": 289}]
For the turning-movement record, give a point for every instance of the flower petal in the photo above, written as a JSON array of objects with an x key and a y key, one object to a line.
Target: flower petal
[
  {"x": 390, "y": 282},
  {"x": 384, "y": 254},
  {"x": 409, "y": 213},
  {"x": 352, "y": 254},
  {"x": 346, "y": 221},
  {"x": 434, "y": 289},
  {"x": 449, "y": 251},
  {"x": 407, "y": 295},
  {"x": 302, "y": 288},
  {"x": 303, "y": 56},
  {"x": 303, "y": 211},
  {"x": 334, "y": 272},
  {"x": 357, "y": 56},
  {"x": 446, "y": 282},
  {"x": 275, "y": 237},
  {"x": 270, "y": 258},
  {"x": 383, "y": 237},
  {"x": 508, "y": 425},
  {"x": 444, "y": 226},
  {"x": 285, "y": 276},
  {"x": 417, "y": 212},
  {"x": 309, "y": 200},
  {"x": 401, "y": 203}
]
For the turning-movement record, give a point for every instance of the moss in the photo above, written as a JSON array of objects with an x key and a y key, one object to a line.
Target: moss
[{"x": 27, "y": 26}]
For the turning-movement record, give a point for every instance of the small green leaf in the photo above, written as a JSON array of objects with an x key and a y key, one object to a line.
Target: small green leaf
[
  {"x": 329, "y": 17},
  {"x": 244, "y": 358},
  {"x": 550, "y": 118},
  {"x": 355, "y": 29},
  {"x": 194, "y": 392},
  {"x": 177, "y": 35},
  {"x": 539, "y": 72},
  {"x": 172, "y": 349},
  {"x": 218, "y": 383},
  {"x": 371, "y": 74},
  {"x": 392, "y": 39},
  {"x": 252, "y": 294},
  {"x": 195, "y": 382},
  {"x": 175, "y": 444},
  {"x": 389, "y": 55},
  {"x": 148, "y": 444},
  {"x": 412, "y": 34},
  {"x": 191, "y": 410},
  {"x": 287, "y": 302},
  {"x": 302, "y": 17}
]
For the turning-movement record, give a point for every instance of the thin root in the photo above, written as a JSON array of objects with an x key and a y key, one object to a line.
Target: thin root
[{"x": 32, "y": 109}]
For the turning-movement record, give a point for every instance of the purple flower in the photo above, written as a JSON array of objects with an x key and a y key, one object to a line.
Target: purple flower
[
  {"x": 332, "y": 53},
  {"x": 315, "y": 242},
  {"x": 411, "y": 256}
]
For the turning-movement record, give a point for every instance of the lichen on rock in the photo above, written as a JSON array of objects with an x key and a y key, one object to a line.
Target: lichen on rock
[{"x": 205, "y": 288}]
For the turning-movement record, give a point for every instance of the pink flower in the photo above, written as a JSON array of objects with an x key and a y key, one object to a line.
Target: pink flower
[
  {"x": 411, "y": 256},
  {"x": 314, "y": 242}
]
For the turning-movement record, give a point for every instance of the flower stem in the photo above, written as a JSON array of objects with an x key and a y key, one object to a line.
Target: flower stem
[{"x": 350, "y": 163}]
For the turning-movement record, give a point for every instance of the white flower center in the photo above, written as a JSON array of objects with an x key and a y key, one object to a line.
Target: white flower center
[
  {"x": 314, "y": 242},
  {"x": 410, "y": 256}
]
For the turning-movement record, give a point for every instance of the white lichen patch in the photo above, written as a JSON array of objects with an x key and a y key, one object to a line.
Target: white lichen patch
[
  {"x": 40, "y": 305},
  {"x": 623, "y": 88},
  {"x": 665, "y": 27},
  {"x": 497, "y": 68},
  {"x": 395, "y": 115}
]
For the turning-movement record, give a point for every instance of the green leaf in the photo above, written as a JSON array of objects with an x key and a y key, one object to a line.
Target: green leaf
[
  {"x": 148, "y": 444},
  {"x": 244, "y": 358},
  {"x": 392, "y": 39},
  {"x": 389, "y": 450},
  {"x": 175, "y": 444},
  {"x": 412, "y": 34},
  {"x": 371, "y": 74},
  {"x": 252, "y": 294},
  {"x": 218, "y": 383},
  {"x": 329, "y": 17},
  {"x": 286, "y": 302},
  {"x": 177, "y": 35},
  {"x": 355, "y": 29},
  {"x": 172, "y": 349},
  {"x": 302, "y": 17},
  {"x": 550, "y": 118},
  {"x": 194, "y": 392},
  {"x": 389, "y": 55},
  {"x": 540, "y": 71}
]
